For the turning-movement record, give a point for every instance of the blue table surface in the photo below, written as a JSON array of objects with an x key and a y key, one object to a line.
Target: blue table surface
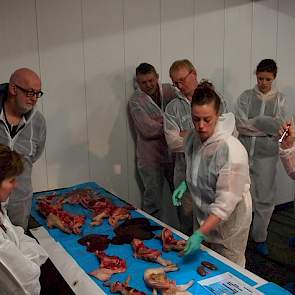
[{"x": 135, "y": 267}]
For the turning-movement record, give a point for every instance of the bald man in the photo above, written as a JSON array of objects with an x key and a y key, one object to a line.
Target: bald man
[{"x": 23, "y": 129}]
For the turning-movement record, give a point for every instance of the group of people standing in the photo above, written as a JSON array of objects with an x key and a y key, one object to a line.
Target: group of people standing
[
  {"x": 224, "y": 163},
  {"x": 186, "y": 135}
]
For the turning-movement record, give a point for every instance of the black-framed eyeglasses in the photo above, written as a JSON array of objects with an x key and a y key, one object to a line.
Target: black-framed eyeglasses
[
  {"x": 181, "y": 81},
  {"x": 30, "y": 92}
]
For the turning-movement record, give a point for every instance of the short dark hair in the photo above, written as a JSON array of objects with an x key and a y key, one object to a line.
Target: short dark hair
[
  {"x": 11, "y": 163},
  {"x": 267, "y": 65},
  {"x": 205, "y": 94},
  {"x": 145, "y": 68}
]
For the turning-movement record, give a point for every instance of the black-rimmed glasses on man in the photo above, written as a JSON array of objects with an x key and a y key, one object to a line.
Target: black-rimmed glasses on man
[{"x": 30, "y": 92}]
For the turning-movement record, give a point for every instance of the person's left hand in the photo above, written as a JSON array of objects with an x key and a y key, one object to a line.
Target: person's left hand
[{"x": 194, "y": 242}]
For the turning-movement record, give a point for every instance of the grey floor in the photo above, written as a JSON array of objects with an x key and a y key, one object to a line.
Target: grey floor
[{"x": 279, "y": 266}]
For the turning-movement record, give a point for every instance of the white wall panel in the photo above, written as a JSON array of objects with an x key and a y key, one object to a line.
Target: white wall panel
[
  {"x": 142, "y": 44},
  {"x": 19, "y": 35},
  {"x": 177, "y": 33},
  {"x": 105, "y": 90},
  {"x": 237, "y": 47},
  {"x": 210, "y": 41},
  {"x": 19, "y": 47},
  {"x": 264, "y": 36},
  {"x": 62, "y": 69},
  {"x": 286, "y": 49}
]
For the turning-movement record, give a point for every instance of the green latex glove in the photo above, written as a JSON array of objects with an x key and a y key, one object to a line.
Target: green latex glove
[
  {"x": 194, "y": 242},
  {"x": 178, "y": 193}
]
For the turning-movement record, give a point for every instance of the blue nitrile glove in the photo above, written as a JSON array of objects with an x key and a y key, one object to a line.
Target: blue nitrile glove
[
  {"x": 194, "y": 242},
  {"x": 178, "y": 193}
]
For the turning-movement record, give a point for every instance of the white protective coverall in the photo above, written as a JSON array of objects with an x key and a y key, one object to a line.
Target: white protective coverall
[
  {"x": 29, "y": 141},
  {"x": 154, "y": 161},
  {"x": 258, "y": 119},
  {"x": 218, "y": 178},
  {"x": 178, "y": 118},
  {"x": 20, "y": 260}
]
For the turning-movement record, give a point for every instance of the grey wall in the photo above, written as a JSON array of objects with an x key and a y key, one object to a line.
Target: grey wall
[{"x": 86, "y": 52}]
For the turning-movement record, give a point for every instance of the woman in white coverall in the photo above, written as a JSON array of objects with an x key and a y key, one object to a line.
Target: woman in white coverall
[
  {"x": 20, "y": 255},
  {"x": 260, "y": 112},
  {"x": 217, "y": 175}
]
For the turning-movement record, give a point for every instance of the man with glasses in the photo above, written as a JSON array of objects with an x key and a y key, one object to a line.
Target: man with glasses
[
  {"x": 178, "y": 122},
  {"x": 23, "y": 129}
]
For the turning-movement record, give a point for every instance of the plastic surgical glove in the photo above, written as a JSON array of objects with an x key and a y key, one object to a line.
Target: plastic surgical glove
[
  {"x": 178, "y": 193},
  {"x": 194, "y": 242}
]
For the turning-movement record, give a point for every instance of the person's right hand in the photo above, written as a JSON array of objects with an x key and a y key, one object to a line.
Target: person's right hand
[
  {"x": 289, "y": 139},
  {"x": 178, "y": 193},
  {"x": 194, "y": 242}
]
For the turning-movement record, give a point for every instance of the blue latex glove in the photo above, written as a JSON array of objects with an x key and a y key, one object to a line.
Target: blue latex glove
[
  {"x": 178, "y": 193},
  {"x": 194, "y": 242}
]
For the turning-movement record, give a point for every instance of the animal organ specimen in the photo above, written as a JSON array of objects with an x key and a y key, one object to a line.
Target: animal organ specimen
[
  {"x": 169, "y": 243},
  {"x": 135, "y": 228},
  {"x": 108, "y": 266},
  {"x": 57, "y": 217},
  {"x": 143, "y": 252},
  {"x": 156, "y": 279},
  {"x": 95, "y": 243},
  {"x": 123, "y": 288}
]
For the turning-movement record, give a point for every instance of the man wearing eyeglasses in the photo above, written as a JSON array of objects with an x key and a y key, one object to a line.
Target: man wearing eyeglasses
[
  {"x": 23, "y": 129},
  {"x": 178, "y": 122}
]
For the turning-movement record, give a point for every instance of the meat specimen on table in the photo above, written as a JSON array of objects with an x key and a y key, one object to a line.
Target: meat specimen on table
[
  {"x": 135, "y": 228},
  {"x": 109, "y": 265},
  {"x": 81, "y": 196},
  {"x": 101, "y": 206},
  {"x": 94, "y": 242},
  {"x": 54, "y": 200},
  {"x": 169, "y": 243},
  {"x": 119, "y": 214},
  {"x": 209, "y": 265},
  {"x": 101, "y": 213},
  {"x": 123, "y": 288},
  {"x": 143, "y": 252},
  {"x": 57, "y": 217},
  {"x": 156, "y": 279},
  {"x": 201, "y": 270},
  {"x": 113, "y": 212}
]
